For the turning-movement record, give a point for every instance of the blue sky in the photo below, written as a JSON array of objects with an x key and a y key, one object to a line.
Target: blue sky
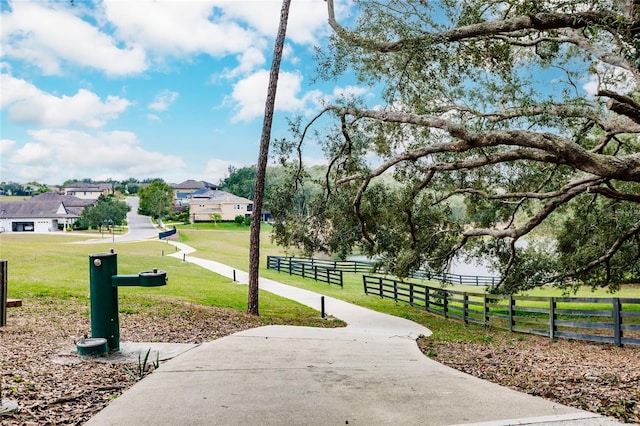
[{"x": 170, "y": 89}]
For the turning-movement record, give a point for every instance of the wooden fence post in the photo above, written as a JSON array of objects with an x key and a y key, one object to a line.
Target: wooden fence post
[
  {"x": 617, "y": 322},
  {"x": 486, "y": 310},
  {"x": 445, "y": 304},
  {"x": 426, "y": 299},
  {"x": 465, "y": 308},
  {"x": 552, "y": 318},
  {"x": 411, "y": 294},
  {"x": 3, "y": 293},
  {"x": 511, "y": 302}
]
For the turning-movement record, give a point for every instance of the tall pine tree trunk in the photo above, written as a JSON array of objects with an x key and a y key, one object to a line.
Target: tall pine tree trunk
[{"x": 254, "y": 242}]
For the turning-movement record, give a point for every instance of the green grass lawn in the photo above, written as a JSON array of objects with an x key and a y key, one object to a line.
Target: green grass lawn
[
  {"x": 51, "y": 266},
  {"x": 55, "y": 266},
  {"x": 230, "y": 248}
]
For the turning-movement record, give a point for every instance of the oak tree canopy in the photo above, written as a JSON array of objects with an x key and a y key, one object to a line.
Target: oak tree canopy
[{"x": 506, "y": 130}]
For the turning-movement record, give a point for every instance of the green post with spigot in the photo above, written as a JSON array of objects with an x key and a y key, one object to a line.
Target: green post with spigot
[{"x": 103, "y": 285}]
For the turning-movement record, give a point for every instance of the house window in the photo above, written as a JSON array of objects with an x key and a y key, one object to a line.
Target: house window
[{"x": 250, "y": 207}]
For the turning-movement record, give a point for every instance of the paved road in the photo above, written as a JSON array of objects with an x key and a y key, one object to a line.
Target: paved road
[{"x": 139, "y": 227}]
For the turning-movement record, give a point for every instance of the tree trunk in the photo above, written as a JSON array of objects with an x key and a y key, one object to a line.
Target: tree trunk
[{"x": 254, "y": 242}]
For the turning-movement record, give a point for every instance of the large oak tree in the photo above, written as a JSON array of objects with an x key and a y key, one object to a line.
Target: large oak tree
[{"x": 526, "y": 113}]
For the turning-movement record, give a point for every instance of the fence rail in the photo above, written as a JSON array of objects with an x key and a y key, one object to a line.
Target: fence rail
[
  {"x": 445, "y": 277},
  {"x": 300, "y": 267},
  {"x": 367, "y": 267},
  {"x": 606, "y": 320}
]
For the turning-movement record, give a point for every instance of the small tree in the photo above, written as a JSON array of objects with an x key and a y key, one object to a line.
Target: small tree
[
  {"x": 216, "y": 217},
  {"x": 106, "y": 210},
  {"x": 156, "y": 199}
]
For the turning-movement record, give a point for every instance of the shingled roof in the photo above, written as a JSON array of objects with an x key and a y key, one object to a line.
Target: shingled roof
[
  {"x": 44, "y": 206},
  {"x": 194, "y": 185}
]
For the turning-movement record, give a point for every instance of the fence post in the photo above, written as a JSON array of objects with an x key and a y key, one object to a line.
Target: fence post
[
  {"x": 511, "y": 302},
  {"x": 486, "y": 310},
  {"x": 3, "y": 292},
  {"x": 290, "y": 263},
  {"x": 445, "y": 304},
  {"x": 552, "y": 318},
  {"x": 426, "y": 299},
  {"x": 303, "y": 271},
  {"x": 364, "y": 284},
  {"x": 380, "y": 283},
  {"x": 411, "y": 294},
  {"x": 395, "y": 290},
  {"x": 617, "y": 322},
  {"x": 465, "y": 308}
]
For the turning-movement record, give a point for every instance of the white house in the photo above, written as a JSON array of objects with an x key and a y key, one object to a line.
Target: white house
[{"x": 42, "y": 213}]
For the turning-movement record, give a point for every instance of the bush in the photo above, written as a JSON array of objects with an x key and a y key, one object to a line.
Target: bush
[{"x": 239, "y": 219}]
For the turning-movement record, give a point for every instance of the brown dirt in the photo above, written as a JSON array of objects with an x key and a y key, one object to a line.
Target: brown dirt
[{"x": 597, "y": 378}]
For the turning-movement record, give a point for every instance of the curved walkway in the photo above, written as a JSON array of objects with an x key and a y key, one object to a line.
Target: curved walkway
[{"x": 368, "y": 373}]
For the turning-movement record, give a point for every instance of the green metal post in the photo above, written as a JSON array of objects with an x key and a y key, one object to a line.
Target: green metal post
[{"x": 104, "y": 298}]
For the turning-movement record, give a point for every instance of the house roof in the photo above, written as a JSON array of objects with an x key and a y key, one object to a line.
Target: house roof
[
  {"x": 218, "y": 196},
  {"x": 67, "y": 200},
  {"x": 44, "y": 206},
  {"x": 194, "y": 185},
  {"x": 88, "y": 187},
  {"x": 34, "y": 210}
]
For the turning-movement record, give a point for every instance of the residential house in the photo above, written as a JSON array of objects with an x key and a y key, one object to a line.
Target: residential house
[
  {"x": 46, "y": 212},
  {"x": 182, "y": 190},
  {"x": 88, "y": 191},
  {"x": 203, "y": 205}
]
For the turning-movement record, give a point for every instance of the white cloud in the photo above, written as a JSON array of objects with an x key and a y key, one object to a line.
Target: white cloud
[
  {"x": 15, "y": 90},
  {"x": 63, "y": 154},
  {"x": 314, "y": 161},
  {"x": 250, "y": 94},
  {"x": 349, "y": 91},
  {"x": 6, "y": 145},
  {"x": 28, "y": 104},
  {"x": 163, "y": 100},
  {"x": 48, "y": 34},
  {"x": 217, "y": 169},
  {"x": 307, "y": 18},
  {"x": 178, "y": 28},
  {"x": 248, "y": 61}
]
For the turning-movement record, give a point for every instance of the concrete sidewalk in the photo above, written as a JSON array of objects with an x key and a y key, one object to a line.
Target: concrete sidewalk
[{"x": 368, "y": 373}]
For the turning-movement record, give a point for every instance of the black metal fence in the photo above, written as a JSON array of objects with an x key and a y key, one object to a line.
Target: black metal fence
[{"x": 606, "y": 320}]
